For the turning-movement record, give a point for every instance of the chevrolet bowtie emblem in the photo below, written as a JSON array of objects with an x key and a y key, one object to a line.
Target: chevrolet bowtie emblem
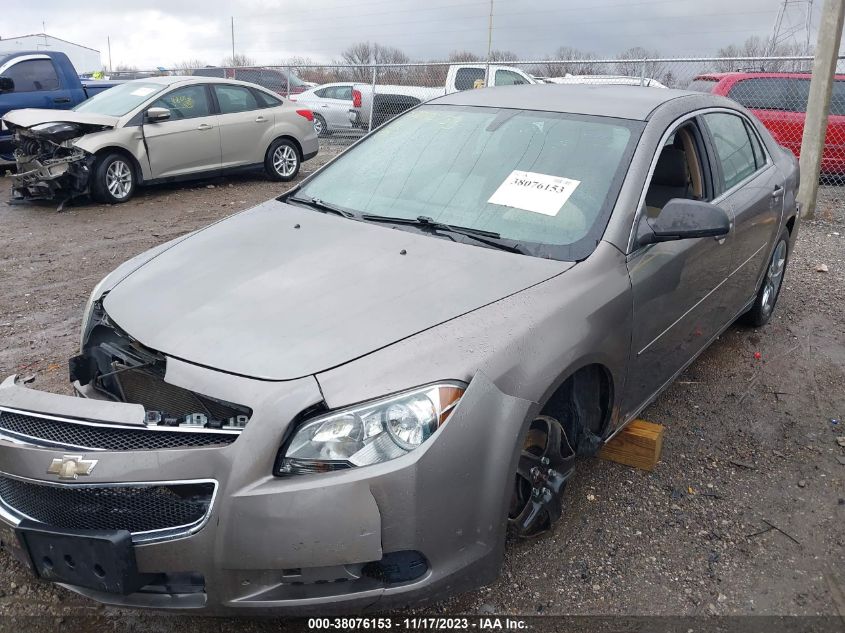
[{"x": 71, "y": 466}]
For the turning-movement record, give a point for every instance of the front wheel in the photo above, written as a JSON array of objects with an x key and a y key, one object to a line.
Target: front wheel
[
  {"x": 282, "y": 160},
  {"x": 545, "y": 464},
  {"x": 769, "y": 291},
  {"x": 114, "y": 179}
]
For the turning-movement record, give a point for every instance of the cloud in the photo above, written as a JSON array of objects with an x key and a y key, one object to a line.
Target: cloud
[{"x": 164, "y": 32}]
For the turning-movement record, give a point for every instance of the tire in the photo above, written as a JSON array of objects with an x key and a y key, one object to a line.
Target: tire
[
  {"x": 114, "y": 179},
  {"x": 282, "y": 160},
  {"x": 545, "y": 464},
  {"x": 769, "y": 291},
  {"x": 320, "y": 126}
]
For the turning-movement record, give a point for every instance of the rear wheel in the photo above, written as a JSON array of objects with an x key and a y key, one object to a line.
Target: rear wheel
[
  {"x": 769, "y": 291},
  {"x": 545, "y": 464},
  {"x": 113, "y": 179},
  {"x": 320, "y": 126},
  {"x": 282, "y": 160}
]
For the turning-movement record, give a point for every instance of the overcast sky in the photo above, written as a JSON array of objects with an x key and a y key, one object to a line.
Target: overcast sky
[{"x": 163, "y": 32}]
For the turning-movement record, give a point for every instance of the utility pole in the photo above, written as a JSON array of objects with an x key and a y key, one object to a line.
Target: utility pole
[
  {"x": 489, "y": 45},
  {"x": 233, "y": 40},
  {"x": 108, "y": 39},
  {"x": 818, "y": 105}
]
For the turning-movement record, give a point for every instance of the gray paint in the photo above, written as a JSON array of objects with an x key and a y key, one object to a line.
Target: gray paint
[
  {"x": 339, "y": 290},
  {"x": 641, "y": 313}
]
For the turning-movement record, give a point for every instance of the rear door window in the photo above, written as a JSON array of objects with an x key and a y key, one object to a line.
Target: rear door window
[
  {"x": 734, "y": 150},
  {"x": 343, "y": 92},
  {"x": 509, "y": 78},
  {"x": 772, "y": 93},
  {"x": 232, "y": 99},
  {"x": 33, "y": 75}
]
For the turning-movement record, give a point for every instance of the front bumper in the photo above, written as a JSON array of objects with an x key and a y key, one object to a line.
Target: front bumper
[{"x": 301, "y": 544}]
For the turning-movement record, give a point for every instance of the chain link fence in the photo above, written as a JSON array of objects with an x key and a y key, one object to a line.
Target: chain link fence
[{"x": 349, "y": 100}]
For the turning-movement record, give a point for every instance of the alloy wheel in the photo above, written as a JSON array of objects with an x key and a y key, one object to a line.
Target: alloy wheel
[
  {"x": 545, "y": 464},
  {"x": 318, "y": 125},
  {"x": 284, "y": 160},
  {"x": 119, "y": 179}
]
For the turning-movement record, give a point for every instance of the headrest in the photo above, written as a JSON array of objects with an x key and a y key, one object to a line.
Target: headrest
[{"x": 671, "y": 169}]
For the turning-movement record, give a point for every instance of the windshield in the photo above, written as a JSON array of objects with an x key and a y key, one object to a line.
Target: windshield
[
  {"x": 121, "y": 99},
  {"x": 544, "y": 179}
]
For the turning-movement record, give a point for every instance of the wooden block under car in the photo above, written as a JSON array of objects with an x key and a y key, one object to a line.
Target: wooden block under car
[{"x": 638, "y": 445}]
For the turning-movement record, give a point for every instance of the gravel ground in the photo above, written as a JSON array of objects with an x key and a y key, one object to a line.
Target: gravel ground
[{"x": 743, "y": 515}]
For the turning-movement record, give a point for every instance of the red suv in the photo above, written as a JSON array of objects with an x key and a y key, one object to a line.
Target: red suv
[{"x": 779, "y": 100}]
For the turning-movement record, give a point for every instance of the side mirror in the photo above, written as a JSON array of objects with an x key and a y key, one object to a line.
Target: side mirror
[
  {"x": 156, "y": 115},
  {"x": 683, "y": 219},
  {"x": 7, "y": 84}
]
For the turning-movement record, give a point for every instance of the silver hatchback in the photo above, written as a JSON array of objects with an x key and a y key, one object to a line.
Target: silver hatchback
[{"x": 158, "y": 129}]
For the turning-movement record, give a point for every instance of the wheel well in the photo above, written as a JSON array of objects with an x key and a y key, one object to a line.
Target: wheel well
[
  {"x": 790, "y": 224},
  {"x": 139, "y": 176},
  {"x": 292, "y": 140},
  {"x": 582, "y": 403}
]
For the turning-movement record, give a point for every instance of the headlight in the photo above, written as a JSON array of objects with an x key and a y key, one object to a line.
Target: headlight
[
  {"x": 370, "y": 433},
  {"x": 89, "y": 307}
]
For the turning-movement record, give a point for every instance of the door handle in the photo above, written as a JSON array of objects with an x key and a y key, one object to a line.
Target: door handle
[
  {"x": 61, "y": 100},
  {"x": 778, "y": 192},
  {"x": 204, "y": 126},
  {"x": 260, "y": 119},
  {"x": 325, "y": 105}
]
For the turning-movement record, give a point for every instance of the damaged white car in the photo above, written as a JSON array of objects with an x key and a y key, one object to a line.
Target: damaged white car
[{"x": 155, "y": 130}]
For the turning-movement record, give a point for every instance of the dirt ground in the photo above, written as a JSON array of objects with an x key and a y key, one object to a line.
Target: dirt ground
[{"x": 744, "y": 514}]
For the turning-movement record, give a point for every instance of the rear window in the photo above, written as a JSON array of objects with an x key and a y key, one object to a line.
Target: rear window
[
  {"x": 772, "y": 93},
  {"x": 702, "y": 85},
  {"x": 465, "y": 78}
]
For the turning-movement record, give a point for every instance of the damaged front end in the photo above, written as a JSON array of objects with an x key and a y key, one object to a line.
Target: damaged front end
[
  {"x": 49, "y": 164},
  {"x": 114, "y": 366}
]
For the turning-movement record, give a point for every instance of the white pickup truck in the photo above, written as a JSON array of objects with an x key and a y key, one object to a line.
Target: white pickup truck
[{"x": 377, "y": 106}]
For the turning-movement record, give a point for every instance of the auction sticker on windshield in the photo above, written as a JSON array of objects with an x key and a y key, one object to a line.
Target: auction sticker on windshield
[{"x": 539, "y": 193}]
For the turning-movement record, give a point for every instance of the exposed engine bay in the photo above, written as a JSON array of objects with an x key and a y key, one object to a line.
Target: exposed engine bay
[
  {"x": 119, "y": 368},
  {"x": 49, "y": 165}
]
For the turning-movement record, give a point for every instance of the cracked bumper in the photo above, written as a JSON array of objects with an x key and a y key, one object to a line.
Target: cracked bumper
[{"x": 299, "y": 544}]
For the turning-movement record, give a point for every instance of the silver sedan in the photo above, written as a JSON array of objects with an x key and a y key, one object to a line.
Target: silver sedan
[{"x": 155, "y": 130}]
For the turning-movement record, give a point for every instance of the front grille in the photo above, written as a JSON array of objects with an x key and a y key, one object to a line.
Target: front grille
[
  {"x": 138, "y": 508},
  {"x": 106, "y": 438}
]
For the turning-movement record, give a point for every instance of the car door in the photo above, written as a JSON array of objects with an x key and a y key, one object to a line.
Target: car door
[
  {"x": 243, "y": 125},
  {"x": 187, "y": 143},
  {"x": 37, "y": 85},
  {"x": 753, "y": 188},
  {"x": 679, "y": 297},
  {"x": 337, "y": 103}
]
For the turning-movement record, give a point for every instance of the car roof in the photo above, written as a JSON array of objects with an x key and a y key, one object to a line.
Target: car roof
[
  {"x": 186, "y": 80},
  {"x": 751, "y": 75},
  {"x": 618, "y": 101}
]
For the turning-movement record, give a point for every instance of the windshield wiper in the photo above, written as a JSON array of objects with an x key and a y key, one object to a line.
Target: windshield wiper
[
  {"x": 490, "y": 238},
  {"x": 325, "y": 207}
]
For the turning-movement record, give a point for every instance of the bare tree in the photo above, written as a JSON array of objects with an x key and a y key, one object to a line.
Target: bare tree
[
  {"x": 365, "y": 54},
  {"x": 756, "y": 47},
  {"x": 631, "y": 64},
  {"x": 563, "y": 62},
  {"x": 187, "y": 66},
  {"x": 463, "y": 57},
  {"x": 503, "y": 56},
  {"x": 239, "y": 59}
]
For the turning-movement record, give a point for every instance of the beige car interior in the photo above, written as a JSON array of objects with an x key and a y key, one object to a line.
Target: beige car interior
[{"x": 678, "y": 173}]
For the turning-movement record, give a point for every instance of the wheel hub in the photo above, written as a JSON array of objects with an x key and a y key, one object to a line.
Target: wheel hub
[{"x": 545, "y": 465}]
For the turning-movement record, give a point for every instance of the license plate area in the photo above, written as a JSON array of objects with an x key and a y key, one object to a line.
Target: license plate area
[{"x": 99, "y": 560}]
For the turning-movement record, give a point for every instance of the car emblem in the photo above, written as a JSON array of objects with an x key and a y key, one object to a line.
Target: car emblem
[{"x": 71, "y": 466}]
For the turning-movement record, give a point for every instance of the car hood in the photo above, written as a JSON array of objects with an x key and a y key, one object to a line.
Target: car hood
[
  {"x": 279, "y": 291},
  {"x": 33, "y": 116}
]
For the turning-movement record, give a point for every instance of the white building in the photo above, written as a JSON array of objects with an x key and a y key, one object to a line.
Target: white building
[{"x": 84, "y": 59}]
